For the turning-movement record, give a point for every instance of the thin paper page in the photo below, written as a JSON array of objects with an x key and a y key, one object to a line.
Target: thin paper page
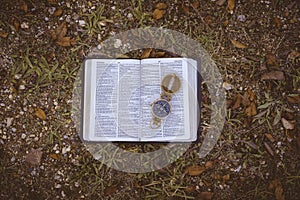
[
  {"x": 115, "y": 117},
  {"x": 153, "y": 71}
]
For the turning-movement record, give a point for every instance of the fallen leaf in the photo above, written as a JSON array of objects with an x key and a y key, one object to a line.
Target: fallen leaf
[
  {"x": 271, "y": 59},
  {"x": 269, "y": 149},
  {"x": 40, "y": 114},
  {"x": 60, "y": 31},
  {"x": 195, "y": 170},
  {"x": 186, "y": 9},
  {"x": 158, "y": 14},
  {"x": 54, "y": 156},
  {"x": 226, "y": 177},
  {"x": 158, "y": 54},
  {"x": 34, "y": 156},
  {"x": 252, "y": 145},
  {"x": 52, "y": 2},
  {"x": 209, "y": 164},
  {"x": 293, "y": 99},
  {"x": 16, "y": 24},
  {"x": 195, "y": 4},
  {"x": 251, "y": 95},
  {"x": 190, "y": 189},
  {"x": 161, "y": 6},
  {"x": 58, "y": 12},
  {"x": 273, "y": 75},
  {"x": 237, "y": 102},
  {"x": 110, "y": 190},
  {"x": 238, "y": 44},
  {"x": 287, "y": 125},
  {"x": 3, "y": 34},
  {"x": 279, "y": 193},
  {"x": 146, "y": 53},
  {"x": 205, "y": 196},
  {"x": 251, "y": 110},
  {"x": 245, "y": 99},
  {"x": 230, "y": 6},
  {"x": 64, "y": 42},
  {"x": 277, "y": 22},
  {"x": 220, "y": 2},
  {"x": 270, "y": 137},
  {"x": 293, "y": 55}
]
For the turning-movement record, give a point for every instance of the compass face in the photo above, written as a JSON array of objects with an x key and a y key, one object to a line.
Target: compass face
[{"x": 161, "y": 108}]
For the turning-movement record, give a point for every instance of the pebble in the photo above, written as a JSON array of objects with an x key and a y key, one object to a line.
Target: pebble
[
  {"x": 118, "y": 43},
  {"x": 57, "y": 186},
  {"x": 241, "y": 18},
  {"x": 99, "y": 46},
  {"x": 81, "y": 23},
  {"x": 25, "y": 25},
  {"x": 14, "y": 129},
  {"x": 9, "y": 121}
]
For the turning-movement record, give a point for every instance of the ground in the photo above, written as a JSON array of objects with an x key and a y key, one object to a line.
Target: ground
[{"x": 255, "y": 45}]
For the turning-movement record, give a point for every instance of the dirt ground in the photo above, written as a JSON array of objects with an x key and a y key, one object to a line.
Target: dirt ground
[{"x": 255, "y": 44}]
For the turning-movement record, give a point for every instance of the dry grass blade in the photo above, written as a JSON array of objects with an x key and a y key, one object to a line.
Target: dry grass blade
[{"x": 274, "y": 75}]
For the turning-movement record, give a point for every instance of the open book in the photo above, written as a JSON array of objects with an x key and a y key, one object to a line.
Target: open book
[{"x": 117, "y": 94}]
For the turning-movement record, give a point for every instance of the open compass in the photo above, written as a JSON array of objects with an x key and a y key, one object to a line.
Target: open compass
[{"x": 161, "y": 108}]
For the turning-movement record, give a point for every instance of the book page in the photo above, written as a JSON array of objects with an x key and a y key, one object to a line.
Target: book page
[
  {"x": 176, "y": 126},
  {"x": 117, "y": 100}
]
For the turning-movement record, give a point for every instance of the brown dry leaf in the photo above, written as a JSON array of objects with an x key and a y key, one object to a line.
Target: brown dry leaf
[
  {"x": 251, "y": 110},
  {"x": 293, "y": 55},
  {"x": 273, "y": 75},
  {"x": 159, "y": 54},
  {"x": 195, "y": 4},
  {"x": 270, "y": 137},
  {"x": 209, "y": 164},
  {"x": 16, "y": 24},
  {"x": 245, "y": 99},
  {"x": 287, "y": 125},
  {"x": 230, "y": 6},
  {"x": 298, "y": 141},
  {"x": 186, "y": 9},
  {"x": 52, "y": 2},
  {"x": 40, "y": 114},
  {"x": 279, "y": 193},
  {"x": 161, "y": 6},
  {"x": 271, "y": 59},
  {"x": 293, "y": 99},
  {"x": 64, "y": 42},
  {"x": 190, "y": 189},
  {"x": 110, "y": 190},
  {"x": 158, "y": 14},
  {"x": 226, "y": 177},
  {"x": 238, "y": 44},
  {"x": 60, "y": 31},
  {"x": 146, "y": 53},
  {"x": 220, "y": 2},
  {"x": 58, "y": 12},
  {"x": 277, "y": 22},
  {"x": 195, "y": 170},
  {"x": 3, "y": 34},
  {"x": 269, "y": 149},
  {"x": 34, "y": 156},
  {"x": 54, "y": 156},
  {"x": 251, "y": 95},
  {"x": 205, "y": 196},
  {"x": 23, "y": 6}
]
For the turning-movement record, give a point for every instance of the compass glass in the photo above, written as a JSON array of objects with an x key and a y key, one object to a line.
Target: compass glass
[{"x": 161, "y": 108}]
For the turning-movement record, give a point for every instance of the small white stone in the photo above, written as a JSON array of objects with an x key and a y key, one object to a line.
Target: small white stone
[
  {"x": 227, "y": 86},
  {"x": 18, "y": 76},
  {"x": 14, "y": 129},
  {"x": 22, "y": 87},
  {"x": 24, "y": 25},
  {"x": 9, "y": 121},
  {"x": 57, "y": 186},
  {"x": 81, "y": 23},
  {"x": 23, "y": 136},
  {"x": 113, "y": 7},
  {"x": 46, "y": 19},
  {"x": 13, "y": 159},
  {"x": 118, "y": 43},
  {"x": 99, "y": 46}
]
